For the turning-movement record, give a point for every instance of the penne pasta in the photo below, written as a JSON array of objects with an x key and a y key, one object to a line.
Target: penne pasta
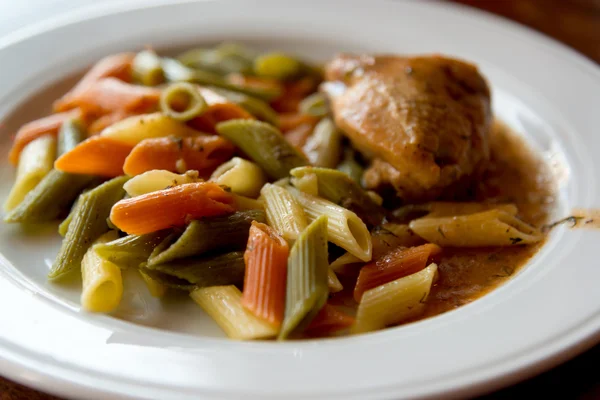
[
  {"x": 243, "y": 203},
  {"x": 488, "y": 228},
  {"x": 257, "y": 107},
  {"x": 224, "y": 305},
  {"x": 71, "y": 133},
  {"x": 131, "y": 250},
  {"x": 159, "y": 179},
  {"x": 102, "y": 281},
  {"x": 89, "y": 157},
  {"x": 346, "y": 264},
  {"x": 284, "y": 212},
  {"x": 264, "y": 144},
  {"x": 394, "y": 301},
  {"x": 155, "y": 288},
  {"x": 89, "y": 223},
  {"x": 451, "y": 209},
  {"x": 182, "y": 101},
  {"x": 133, "y": 130},
  {"x": 266, "y": 259},
  {"x": 207, "y": 235},
  {"x": 315, "y": 104},
  {"x": 307, "y": 288},
  {"x": 34, "y": 163},
  {"x": 146, "y": 68},
  {"x": 223, "y": 59},
  {"x": 241, "y": 176},
  {"x": 276, "y": 65},
  {"x": 390, "y": 236},
  {"x": 333, "y": 282},
  {"x": 323, "y": 148},
  {"x": 344, "y": 228},
  {"x": 308, "y": 183},
  {"x": 329, "y": 320},
  {"x": 350, "y": 166}
]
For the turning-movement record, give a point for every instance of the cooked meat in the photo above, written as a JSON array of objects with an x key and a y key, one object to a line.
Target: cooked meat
[{"x": 423, "y": 120}]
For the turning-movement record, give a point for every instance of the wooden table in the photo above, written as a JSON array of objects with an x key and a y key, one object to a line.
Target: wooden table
[{"x": 577, "y": 24}]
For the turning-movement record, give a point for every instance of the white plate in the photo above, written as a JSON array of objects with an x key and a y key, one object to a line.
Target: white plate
[{"x": 548, "y": 312}]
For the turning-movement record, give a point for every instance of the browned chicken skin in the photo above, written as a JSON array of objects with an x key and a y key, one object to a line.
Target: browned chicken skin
[{"x": 424, "y": 121}]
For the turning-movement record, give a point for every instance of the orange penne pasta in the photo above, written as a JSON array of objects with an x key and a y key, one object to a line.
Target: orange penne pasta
[
  {"x": 110, "y": 95},
  {"x": 298, "y": 136},
  {"x": 329, "y": 320},
  {"x": 219, "y": 109},
  {"x": 107, "y": 120},
  {"x": 394, "y": 265},
  {"x": 35, "y": 129},
  {"x": 255, "y": 82},
  {"x": 291, "y": 121},
  {"x": 293, "y": 94},
  {"x": 98, "y": 155},
  {"x": 115, "y": 66},
  {"x": 171, "y": 207},
  {"x": 200, "y": 153},
  {"x": 266, "y": 273}
]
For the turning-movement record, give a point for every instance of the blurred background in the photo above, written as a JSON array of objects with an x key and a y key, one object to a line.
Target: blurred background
[{"x": 575, "y": 23}]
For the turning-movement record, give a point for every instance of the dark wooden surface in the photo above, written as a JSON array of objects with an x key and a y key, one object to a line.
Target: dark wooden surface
[{"x": 577, "y": 24}]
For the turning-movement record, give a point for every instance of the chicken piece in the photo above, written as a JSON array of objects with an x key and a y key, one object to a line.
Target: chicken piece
[{"x": 423, "y": 120}]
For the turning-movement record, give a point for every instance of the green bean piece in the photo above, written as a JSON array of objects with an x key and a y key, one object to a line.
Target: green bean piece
[
  {"x": 255, "y": 106},
  {"x": 350, "y": 166},
  {"x": 131, "y": 250},
  {"x": 264, "y": 144},
  {"x": 307, "y": 288},
  {"x": 339, "y": 188},
  {"x": 224, "y": 59},
  {"x": 147, "y": 68},
  {"x": 50, "y": 198},
  {"x": 315, "y": 104},
  {"x": 182, "y": 101},
  {"x": 207, "y": 235},
  {"x": 277, "y": 65},
  {"x": 175, "y": 71},
  {"x": 70, "y": 135},
  {"x": 214, "y": 270},
  {"x": 89, "y": 222}
]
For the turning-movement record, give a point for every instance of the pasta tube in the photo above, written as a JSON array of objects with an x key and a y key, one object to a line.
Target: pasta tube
[
  {"x": 157, "y": 179},
  {"x": 130, "y": 251},
  {"x": 394, "y": 301},
  {"x": 146, "y": 68},
  {"x": 89, "y": 222},
  {"x": 182, "y": 101},
  {"x": 488, "y": 228},
  {"x": 257, "y": 107},
  {"x": 344, "y": 228},
  {"x": 241, "y": 176},
  {"x": 284, "y": 212},
  {"x": 224, "y": 305},
  {"x": 350, "y": 166},
  {"x": 315, "y": 104},
  {"x": 224, "y": 59},
  {"x": 155, "y": 288},
  {"x": 102, "y": 282},
  {"x": 333, "y": 282},
  {"x": 277, "y": 66},
  {"x": 324, "y": 147},
  {"x": 34, "y": 163},
  {"x": 307, "y": 288},
  {"x": 207, "y": 234},
  {"x": 264, "y": 144}
]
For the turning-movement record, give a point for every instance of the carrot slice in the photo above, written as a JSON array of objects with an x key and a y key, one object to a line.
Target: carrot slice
[
  {"x": 329, "y": 320},
  {"x": 35, "y": 129},
  {"x": 107, "y": 120},
  {"x": 291, "y": 121},
  {"x": 396, "y": 264},
  {"x": 108, "y": 95},
  {"x": 201, "y": 153},
  {"x": 266, "y": 273},
  {"x": 171, "y": 207},
  {"x": 219, "y": 109},
  {"x": 116, "y": 66},
  {"x": 97, "y": 155}
]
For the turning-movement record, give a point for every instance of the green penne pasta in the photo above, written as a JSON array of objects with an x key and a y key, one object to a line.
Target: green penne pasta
[
  {"x": 264, "y": 144},
  {"x": 307, "y": 279},
  {"x": 182, "y": 101},
  {"x": 224, "y": 59},
  {"x": 132, "y": 250},
  {"x": 277, "y": 65},
  {"x": 63, "y": 227},
  {"x": 323, "y": 148},
  {"x": 315, "y": 104},
  {"x": 340, "y": 189},
  {"x": 70, "y": 135},
  {"x": 89, "y": 222},
  {"x": 215, "y": 270},
  {"x": 350, "y": 166},
  {"x": 255, "y": 106},
  {"x": 147, "y": 69},
  {"x": 207, "y": 234},
  {"x": 284, "y": 213}
]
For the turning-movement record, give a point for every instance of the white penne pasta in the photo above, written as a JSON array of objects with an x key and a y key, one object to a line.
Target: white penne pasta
[
  {"x": 224, "y": 305},
  {"x": 395, "y": 301},
  {"x": 36, "y": 160},
  {"x": 155, "y": 288},
  {"x": 243, "y": 203},
  {"x": 346, "y": 264},
  {"x": 323, "y": 148},
  {"x": 344, "y": 228},
  {"x": 488, "y": 228},
  {"x": 284, "y": 213},
  {"x": 102, "y": 281},
  {"x": 333, "y": 282},
  {"x": 157, "y": 179},
  {"x": 452, "y": 209},
  {"x": 309, "y": 183},
  {"x": 241, "y": 176},
  {"x": 134, "y": 129}
]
